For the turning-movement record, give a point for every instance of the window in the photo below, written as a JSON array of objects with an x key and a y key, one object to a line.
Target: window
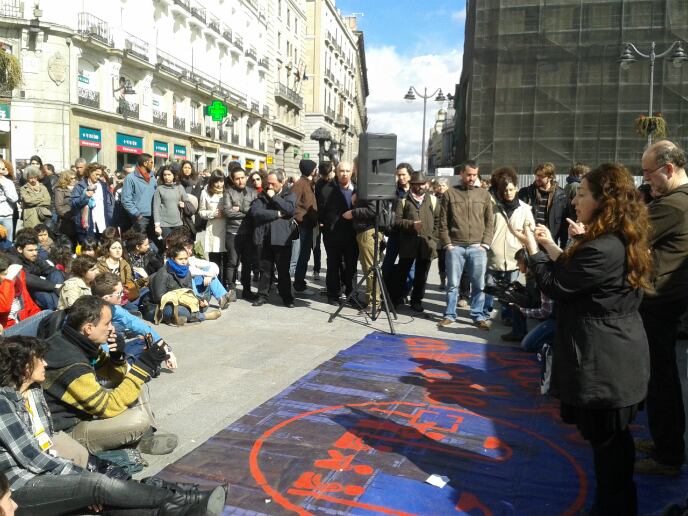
[
  {"x": 279, "y": 8},
  {"x": 296, "y": 25},
  {"x": 279, "y": 42},
  {"x": 288, "y": 17}
]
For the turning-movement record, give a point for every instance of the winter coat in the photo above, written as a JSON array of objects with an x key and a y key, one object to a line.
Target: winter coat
[
  {"x": 501, "y": 256},
  {"x": 126, "y": 273},
  {"x": 266, "y": 221},
  {"x": 238, "y": 222},
  {"x": 8, "y": 196},
  {"x": 137, "y": 195},
  {"x": 63, "y": 201},
  {"x": 72, "y": 289},
  {"x": 306, "y": 214},
  {"x": 80, "y": 200},
  {"x": 9, "y": 290},
  {"x": 466, "y": 217},
  {"x": 331, "y": 205},
  {"x": 34, "y": 204},
  {"x": 558, "y": 206},
  {"x": 35, "y": 272},
  {"x": 165, "y": 281},
  {"x": 600, "y": 354},
  {"x": 413, "y": 244},
  {"x": 215, "y": 230}
]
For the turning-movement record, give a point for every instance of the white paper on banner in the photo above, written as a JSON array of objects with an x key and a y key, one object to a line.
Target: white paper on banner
[{"x": 437, "y": 481}]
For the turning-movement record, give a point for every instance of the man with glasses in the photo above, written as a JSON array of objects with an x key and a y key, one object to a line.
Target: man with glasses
[
  {"x": 137, "y": 194},
  {"x": 549, "y": 202},
  {"x": 664, "y": 170}
]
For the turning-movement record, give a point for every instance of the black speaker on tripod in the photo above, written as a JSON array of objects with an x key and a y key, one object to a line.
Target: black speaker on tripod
[{"x": 377, "y": 156}]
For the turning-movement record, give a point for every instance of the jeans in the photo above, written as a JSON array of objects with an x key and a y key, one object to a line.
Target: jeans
[
  {"x": 491, "y": 278},
  {"x": 51, "y": 495},
  {"x": 28, "y": 327},
  {"x": 7, "y": 223},
  {"x": 665, "y": 411},
  {"x": 541, "y": 334},
  {"x": 215, "y": 287},
  {"x": 300, "y": 254},
  {"x": 168, "y": 311},
  {"x": 48, "y": 300},
  {"x": 474, "y": 258}
]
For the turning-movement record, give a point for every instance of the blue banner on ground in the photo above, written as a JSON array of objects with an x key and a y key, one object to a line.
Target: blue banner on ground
[{"x": 364, "y": 432}]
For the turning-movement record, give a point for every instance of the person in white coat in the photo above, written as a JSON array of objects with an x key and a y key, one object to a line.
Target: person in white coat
[{"x": 8, "y": 198}]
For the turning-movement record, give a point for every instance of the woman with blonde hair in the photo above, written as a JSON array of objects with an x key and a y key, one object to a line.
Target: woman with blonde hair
[
  {"x": 63, "y": 204},
  {"x": 601, "y": 363}
]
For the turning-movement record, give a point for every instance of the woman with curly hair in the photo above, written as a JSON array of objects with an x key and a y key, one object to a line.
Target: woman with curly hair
[
  {"x": 600, "y": 365},
  {"x": 45, "y": 483}
]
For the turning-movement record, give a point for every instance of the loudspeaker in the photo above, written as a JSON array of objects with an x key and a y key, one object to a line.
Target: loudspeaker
[{"x": 377, "y": 156}]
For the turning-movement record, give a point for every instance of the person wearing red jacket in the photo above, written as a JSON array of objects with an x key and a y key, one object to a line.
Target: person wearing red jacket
[{"x": 19, "y": 315}]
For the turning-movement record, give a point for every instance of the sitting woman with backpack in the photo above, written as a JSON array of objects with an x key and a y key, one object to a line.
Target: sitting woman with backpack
[
  {"x": 171, "y": 288},
  {"x": 43, "y": 483}
]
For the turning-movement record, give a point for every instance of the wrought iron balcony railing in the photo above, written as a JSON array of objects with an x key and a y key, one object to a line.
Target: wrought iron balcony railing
[
  {"x": 95, "y": 28},
  {"x": 90, "y": 98}
]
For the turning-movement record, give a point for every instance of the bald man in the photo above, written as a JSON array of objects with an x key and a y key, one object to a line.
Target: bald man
[{"x": 664, "y": 170}]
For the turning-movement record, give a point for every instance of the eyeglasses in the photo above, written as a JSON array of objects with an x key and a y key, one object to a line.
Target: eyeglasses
[{"x": 648, "y": 172}]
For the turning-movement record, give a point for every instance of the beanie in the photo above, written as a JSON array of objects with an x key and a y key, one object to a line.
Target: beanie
[{"x": 307, "y": 166}]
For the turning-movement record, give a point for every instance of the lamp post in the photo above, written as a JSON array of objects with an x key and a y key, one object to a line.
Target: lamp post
[
  {"x": 631, "y": 54},
  {"x": 410, "y": 97}
]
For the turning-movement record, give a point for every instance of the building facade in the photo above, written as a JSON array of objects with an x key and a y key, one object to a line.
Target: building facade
[
  {"x": 336, "y": 91},
  {"x": 110, "y": 80},
  {"x": 541, "y": 81},
  {"x": 441, "y": 142}
]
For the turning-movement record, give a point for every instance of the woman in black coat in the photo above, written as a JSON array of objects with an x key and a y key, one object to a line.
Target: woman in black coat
[{"x": 600, "y": 366}]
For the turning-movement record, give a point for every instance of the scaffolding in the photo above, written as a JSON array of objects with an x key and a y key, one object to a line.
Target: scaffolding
[{"x": 541, "y": 81}]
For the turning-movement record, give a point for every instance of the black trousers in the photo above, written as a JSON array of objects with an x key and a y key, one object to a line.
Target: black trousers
[
  {"x": 240, "y": 250},
  {"x": 219, "y": 259},
  {"x": 420, "y": 279},
  {"x": 341, "y": 267},
  {"x": 614, "y": 458},
  {"x": 665, "y": 412},
  {"x": 279, "y": 256}
]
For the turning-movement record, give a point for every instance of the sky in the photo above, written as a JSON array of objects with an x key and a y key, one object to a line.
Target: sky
[{"x": 408, "y": 43}]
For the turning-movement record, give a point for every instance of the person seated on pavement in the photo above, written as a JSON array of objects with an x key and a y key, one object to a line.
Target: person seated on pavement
[
  {"x": 43, "y": 481},
  {"x": 45, "y": 243},
  {"x": 144, "y": 261},
  {"x": 112, "y": 260},
  {"x": 89, "y": 246},
  {"x": 172, "y": 276},
  {"x": 42, "y": 279},
  {"x": 101, "y": 418},
  {"x": 108, "y": 287},
  {"x": 19, "y": 315},
  {"x": 541, "y": 310},
  {"x": 84, "y": 269},
  {"x": 5, "y": 242}
]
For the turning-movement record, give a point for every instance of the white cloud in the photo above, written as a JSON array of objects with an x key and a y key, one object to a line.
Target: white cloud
[
  {"x": 459, "y": 16},
  {"x": 389, "y": 76}
]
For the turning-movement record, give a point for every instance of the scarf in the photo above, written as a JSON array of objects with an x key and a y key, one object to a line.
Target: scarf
[
  {"x": 418, "y": 198},
  {"x": 144, "y": 173},
  {"x": 509, "y": 207},
  {"x": 181, "y": 271}
]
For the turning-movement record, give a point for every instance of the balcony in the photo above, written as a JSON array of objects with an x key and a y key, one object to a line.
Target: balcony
[
  {"x": 90, "y": 98},
  {"x": 235, "y": 139},
  {"x": 136, "y": 46},
  {"x": 251, "y": 53},
  {"x": 222, "y": 135},
  {"x": 261, "y": 146},
  {"x": 347, "y": 121},
  {"x": 249, "y": 142},
  {"x": 198, "y": 12},
  {"x": 210, "y": 132},
  {"x": 255, "y": 108},
  {"x": 266, "y": 111},
  {"x": 128, "y": 109},
  {"x": 238, "y": 42},
  {"x": 329, "y": 40},
  {"x": 11, "y": 9},
  {"x": 179, "y": 123},
  {"x": 215, "y": 25},
  {"x": 264, "y": 62},
  {"x": 227, "y": 34},
  {"x": 196, "y": 128},
  {"x": 181, "y": 6},
  {"x": 173, "y": 66},
  {"x": 289, "y": 95},
  {"x": 95, "y": 28},
  {"x": 329, "y": 76},
  {"x": 159, "y": 118},
  {"x": 329, "y": 113},
  {"x": 340, "y": 120}
]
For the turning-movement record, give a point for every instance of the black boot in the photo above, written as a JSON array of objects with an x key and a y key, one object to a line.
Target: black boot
[{"x": 189, "y": 501}]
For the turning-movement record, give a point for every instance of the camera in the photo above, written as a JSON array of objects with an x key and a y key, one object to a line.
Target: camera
[{"x": 509, "y": 292}]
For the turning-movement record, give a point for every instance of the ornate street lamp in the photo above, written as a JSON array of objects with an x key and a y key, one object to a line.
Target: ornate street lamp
[{"x": 410, "y": 97}]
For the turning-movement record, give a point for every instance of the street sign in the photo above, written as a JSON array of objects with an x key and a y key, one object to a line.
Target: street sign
[{"x": 217, "y": 111}]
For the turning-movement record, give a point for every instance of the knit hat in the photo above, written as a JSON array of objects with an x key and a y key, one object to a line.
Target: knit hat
[{"x": 307, "y": 166}]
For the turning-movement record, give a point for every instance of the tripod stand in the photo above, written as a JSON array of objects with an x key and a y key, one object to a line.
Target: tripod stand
[{"x": 378, "y": 282}]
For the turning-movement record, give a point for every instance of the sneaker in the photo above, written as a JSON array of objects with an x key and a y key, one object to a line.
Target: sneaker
[
  {"x": 646, "y": 446},
  {"x": 181, "y": 321},
  {"x": 224, "y": 301},
  {"x": 157, "y": 443},
  {"x": 650, "y": 466},
  {"x": 463, "y": 303},
  {"x": 445, "y": 322},
  {"x": 482, "y": 325},
  {"x": 510, "y": 337},
  {"x": 211, "y": 315}
]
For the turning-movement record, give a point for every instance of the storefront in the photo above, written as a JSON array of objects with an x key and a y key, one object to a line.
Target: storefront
[
  {"x": 90, "y": 143},
  {"x": 128, "y": 149},
  {"x": 179, "y": 152},
  {"x": 161, "y": 153}
]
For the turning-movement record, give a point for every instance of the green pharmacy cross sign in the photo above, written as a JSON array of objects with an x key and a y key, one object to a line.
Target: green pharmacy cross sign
[{"x": 217, "y": 111}]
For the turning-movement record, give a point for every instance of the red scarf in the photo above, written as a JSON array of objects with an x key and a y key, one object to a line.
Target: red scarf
[{"x": 144, "y": 173}]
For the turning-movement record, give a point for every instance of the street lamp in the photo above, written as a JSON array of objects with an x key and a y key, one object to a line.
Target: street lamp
[
  {"x": 410, "y": 97},
  {"x": 631, "y": 54}
]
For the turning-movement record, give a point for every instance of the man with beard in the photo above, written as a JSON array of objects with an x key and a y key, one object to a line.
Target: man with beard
[{"x": 549, "y": 202}]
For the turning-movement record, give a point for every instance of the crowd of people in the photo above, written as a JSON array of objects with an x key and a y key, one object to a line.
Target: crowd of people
[{"x": 90, "y": 263}]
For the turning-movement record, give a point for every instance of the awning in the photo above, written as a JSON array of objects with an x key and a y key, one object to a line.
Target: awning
[{"x": 199, "y": 142}]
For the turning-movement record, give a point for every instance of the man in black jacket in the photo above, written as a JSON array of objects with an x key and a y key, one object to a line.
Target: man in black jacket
[
  {"x": 272, "y": 214},
  {"x": 336, "y": 199},
  {"x": 43, "y": 281},
  {"x": 549, "y": 202}
]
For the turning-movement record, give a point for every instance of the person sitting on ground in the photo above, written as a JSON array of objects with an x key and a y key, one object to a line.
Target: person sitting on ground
[
  {"x": 7, "y": 505},
  {"x": 112, "y": 260},
  {"x": 84, "y": 270},
  {"x": 44, "y": 483},
  {"x": 144, "y": 261},
  {"x": 5, "y": 242},
  {"x": 61, "y": 254},
  {"x": 45, "y": 243},
  {"x": 108, "y": 287},
  {"x": 42, "y": 279},
  {"x": 100, "y": 418},
  {"x": 175, "y": 275},
  {"x": 89, "y": 246}
]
